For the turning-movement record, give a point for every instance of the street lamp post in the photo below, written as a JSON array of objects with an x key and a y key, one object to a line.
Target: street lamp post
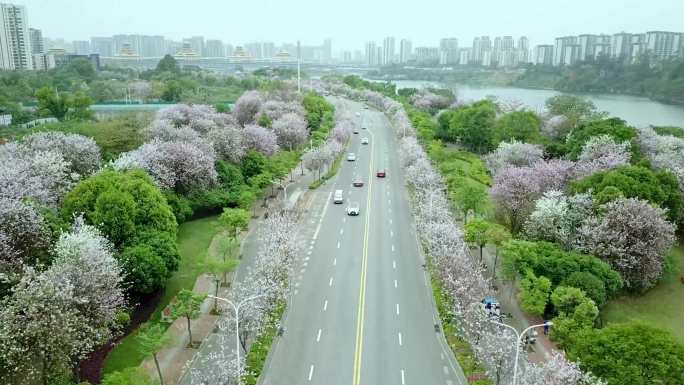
[
  {"x": 236, "y": 309},
  {"x": 517, "y": 345}
]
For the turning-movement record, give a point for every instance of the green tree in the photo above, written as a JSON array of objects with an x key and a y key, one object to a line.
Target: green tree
[
  {"x": 566, "y": 299},
  {"x": 469, "y": 197},
  {"x": 115, "y": 213},
  {"x": 83, "y": 68},
  {"x": 534, "y": 293},
  {"x": 589, "y": 283},
  {"x": 574, "y": 108},
  {"x": 476, "y": 233},
  {"x": 660, "y": 188},
  {"x": 473, "y": 127},
  {"x": 234, "y": 220},
  {"x": 145, "y": 270},
  {"x": 152, "y": 338},
  {"x": 128, "y": 376},
  {"x": 252, "y": 164},
  {"x": 168, "y": 64},
  {"x": 613, "y": 127},
  {"x": 524, "y": 126},
  {"x": 79, "y": 105},
  {"x": 218, "y": 268},
  {"x": 172, "y": 91},
  {"x": 52, "y": 103},
  {"x": 630, "y": 353},
  {"x": 187, "y": 304},
  {"x": 264, "y": 121}
]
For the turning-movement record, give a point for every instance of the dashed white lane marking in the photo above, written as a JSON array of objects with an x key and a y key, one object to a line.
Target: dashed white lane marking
[
  {"x": 399, "y": 338},
  {"x": 325, "y": 305},
  {"x": 390, "y": 221},
  {"x": 402, "y": 376},
  {"x": 344, "y": 219},
  {"x": 302, "y": 270},
  {"x": 305, "y": 264},
  {"x": 296, "y": 284},
  {"x": 341, "y": 231},
  {"x": 296, "y": 291},
  {"x": 397, "y": 309},
  {"x": 309, "y": 252},
  {"x": 331, "y": 281},
  {"x": 441, "y": 355},
  {"x": 449, "y": 382},
  {"x": 312, "y": 242},
  {"x": 394, "y": 264},
  {"x": 306, "y": 259},
  {"x": 395, "y": 283},
  {"x": 391, "y": 233},
  {"x": 338, "y": 245},
  {"x": 318, "y": 337},
  {"x": 392, "y": 247},
  {"x": 334, "y": 261},
  {"x": 389, "y": 201},
  {"x": 445, "y": 369},
  {"x": 311, "y": 372}
]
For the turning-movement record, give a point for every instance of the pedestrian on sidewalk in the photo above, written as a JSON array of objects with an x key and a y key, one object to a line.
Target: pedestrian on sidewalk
[{"x": 546, "y": 327}]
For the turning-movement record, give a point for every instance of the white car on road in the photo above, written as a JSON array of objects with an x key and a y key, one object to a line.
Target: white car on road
[
  {"x": 353, "y": 209},
  {"x": 351, "y": 157},
  {"x": 364, "y": 140}
]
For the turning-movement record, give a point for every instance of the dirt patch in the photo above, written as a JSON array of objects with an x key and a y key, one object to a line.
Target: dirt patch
[{"x": 90, "y": 369}]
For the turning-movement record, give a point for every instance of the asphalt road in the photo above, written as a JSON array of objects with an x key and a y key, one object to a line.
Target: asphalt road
[{"x": 362, "y": 310}]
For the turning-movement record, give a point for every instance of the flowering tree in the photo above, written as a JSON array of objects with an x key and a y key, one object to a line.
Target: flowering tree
[
  {"x": 291, "y": 130},
  {"x": 601, "y": 153},
  {"x": 199, "y": 117},
  {"x": 556, "y": 217},
  {"x": 141, "y": 89},
  {"x": 514, "y": 153},
  {"x": 181, "y": 166},
  {"x": 556, "y": 127},
  {"x": 246, "y": 107},
  {"x": 664, "y": 151},
  {"x": 275, "y": 109},
  {"x": 43, "y": 176},
  {"x": 166, "y": 131},
  {"x": 80, "y": 151},
  {"x": 429, "y": 101},
  {"x": 633, "y": 237},
  {"x": 80, "y": 294},
  {"x": 260, "y": 139},
  {"x": 22, "y": 233},
  {"x": 228, "y": 143}
]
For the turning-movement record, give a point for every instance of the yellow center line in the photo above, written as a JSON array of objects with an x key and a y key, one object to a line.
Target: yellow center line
[{"x": 364, "y": 263}]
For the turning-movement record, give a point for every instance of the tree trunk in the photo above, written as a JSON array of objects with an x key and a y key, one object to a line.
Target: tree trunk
[
  {"x": 189, "y": 331},
  {"x": 496, "y": 257},
  {"x": 481, "y": 246},
  {"x": 156, "y": 363},
  {"x": 244, "y": 336},
  {"x": 217, "y": 281}
]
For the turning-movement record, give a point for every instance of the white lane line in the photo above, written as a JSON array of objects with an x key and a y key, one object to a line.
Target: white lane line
[
  {"x": 441, "y": 355},
  {"x": 392, "y": 247},
  {"x": 306, "y": 259},
  {"x": 397, "y": 309},
  {"x": 394, "y": 264},
  {"x": 309, "y": 252},
  {"x": 305, "y": 264},
  {"x": 338, "y": 244},
  {"x": 325, "y": 305},
  {"x": 344, "y": 219},
  {"x": 320, "y": 221},
  {"x": 395, "y": 283},
  {"x": 302, "y": 270},
  {"x": 311, "y": 372},
  {"x": 402, "y": 376},
  {"x": 331, "y": 281},
  {"x": 445, "y": 369},
  {"x": 334, "y": 261},
  {"x": 318, "y": 337},
  {"x": 390, "y": 221},
  {"x": 296, "y": 284},
  {"x": 312, "y": 242},
  {"x": 389, "y": 201},
  {"x": 399, "y": 339},
  {"x": 341, "y": 231},
  {"x": 391, "y": 233}
]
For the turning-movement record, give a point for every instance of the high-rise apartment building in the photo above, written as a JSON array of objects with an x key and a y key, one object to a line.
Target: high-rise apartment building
[
  {"x": 15, "y": 41},
  {"x": 388, "y": 46},
  {"x": 196, "y": 44},
  {"x": 448, "y": 51},
  {"x": 662, "y": 45},
  {"x": 215, "y": 48},
  {"x": 405, "y": 50},
  {"x": 371, "y": 57},
  {"x": 566, "y": 51},
  {"x": 543, "y": 55},
  {"x": 326, "y": 56},
  {"x": 81, "y": 47},
  {"x": 37, "y": 44},
  {"x": 480, "y": 46},
  {"x": 523, "y": 50},
  {"x": 427, "y": 55},
  {"x": 621, "y": 46},
  {"x": 104, "y": 46}
]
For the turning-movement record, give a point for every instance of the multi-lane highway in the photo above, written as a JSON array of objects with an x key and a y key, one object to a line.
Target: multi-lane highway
[{"x": 362, "y": 310}]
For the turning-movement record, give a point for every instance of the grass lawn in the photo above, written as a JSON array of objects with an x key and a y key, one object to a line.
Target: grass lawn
[
  {"x": 194, "y": 238},
  {"x": 660, "y": 306}
]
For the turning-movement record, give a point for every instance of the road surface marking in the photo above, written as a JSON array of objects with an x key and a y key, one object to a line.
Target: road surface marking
[
  {"x": 341, "y": 231},
  {"x": 397, "y": 309},
  {"x": 306, "y": 259},
  {"x": 334, "y": 261},
  {"x": 394, "y": 264},
  {"x": 449, "y": 382},
  {"x": 344, "y": 219},
  {"x": 402, "y": 377},
  {"x": 302, "y": 270},
  {"x": 400, "y": 339},
  {"x": 318, "y": 337},
  {"x": 325, "y": 305},
  {"x": 331, "y": 281},
  {"x": 392, "y": 247},
  {"x": 312, "y": 242},
  {"x": 358, "y": 351},
  {"x": 320, "y": 221},
  {"x": 338, "y": 244},
  {"x": 395, "y": 283},
  {"x": 311, "y": 372},
  {"x": 446, "y": 370},
  {"x": 389, "y": 201},
  {"x": 391, "y": 233},
  {"x": 390, "y": 221},
  {"x": 441, "y": 355},
  {"x": 296, "y": 291},
  {"x": 305, "y": 264},
  {"x": 296, "y": 284}
]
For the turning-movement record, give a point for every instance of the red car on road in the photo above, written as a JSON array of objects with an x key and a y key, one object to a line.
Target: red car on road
[{"x": 381, "y": 173}]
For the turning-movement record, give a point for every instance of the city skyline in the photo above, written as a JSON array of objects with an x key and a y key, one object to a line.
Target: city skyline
[{"x": 531, "y": 18}]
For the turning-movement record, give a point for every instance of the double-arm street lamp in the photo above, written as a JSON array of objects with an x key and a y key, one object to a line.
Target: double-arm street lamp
[
  {"x": 236, "y": 309},
  {"x": 519, "y": 341}
]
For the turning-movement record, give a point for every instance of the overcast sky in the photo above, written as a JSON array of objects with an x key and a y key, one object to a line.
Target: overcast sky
[{"x": 350, "y": 23}]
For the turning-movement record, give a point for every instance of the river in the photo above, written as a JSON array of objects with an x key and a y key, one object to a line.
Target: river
[{"x": 637, "y": 111}]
